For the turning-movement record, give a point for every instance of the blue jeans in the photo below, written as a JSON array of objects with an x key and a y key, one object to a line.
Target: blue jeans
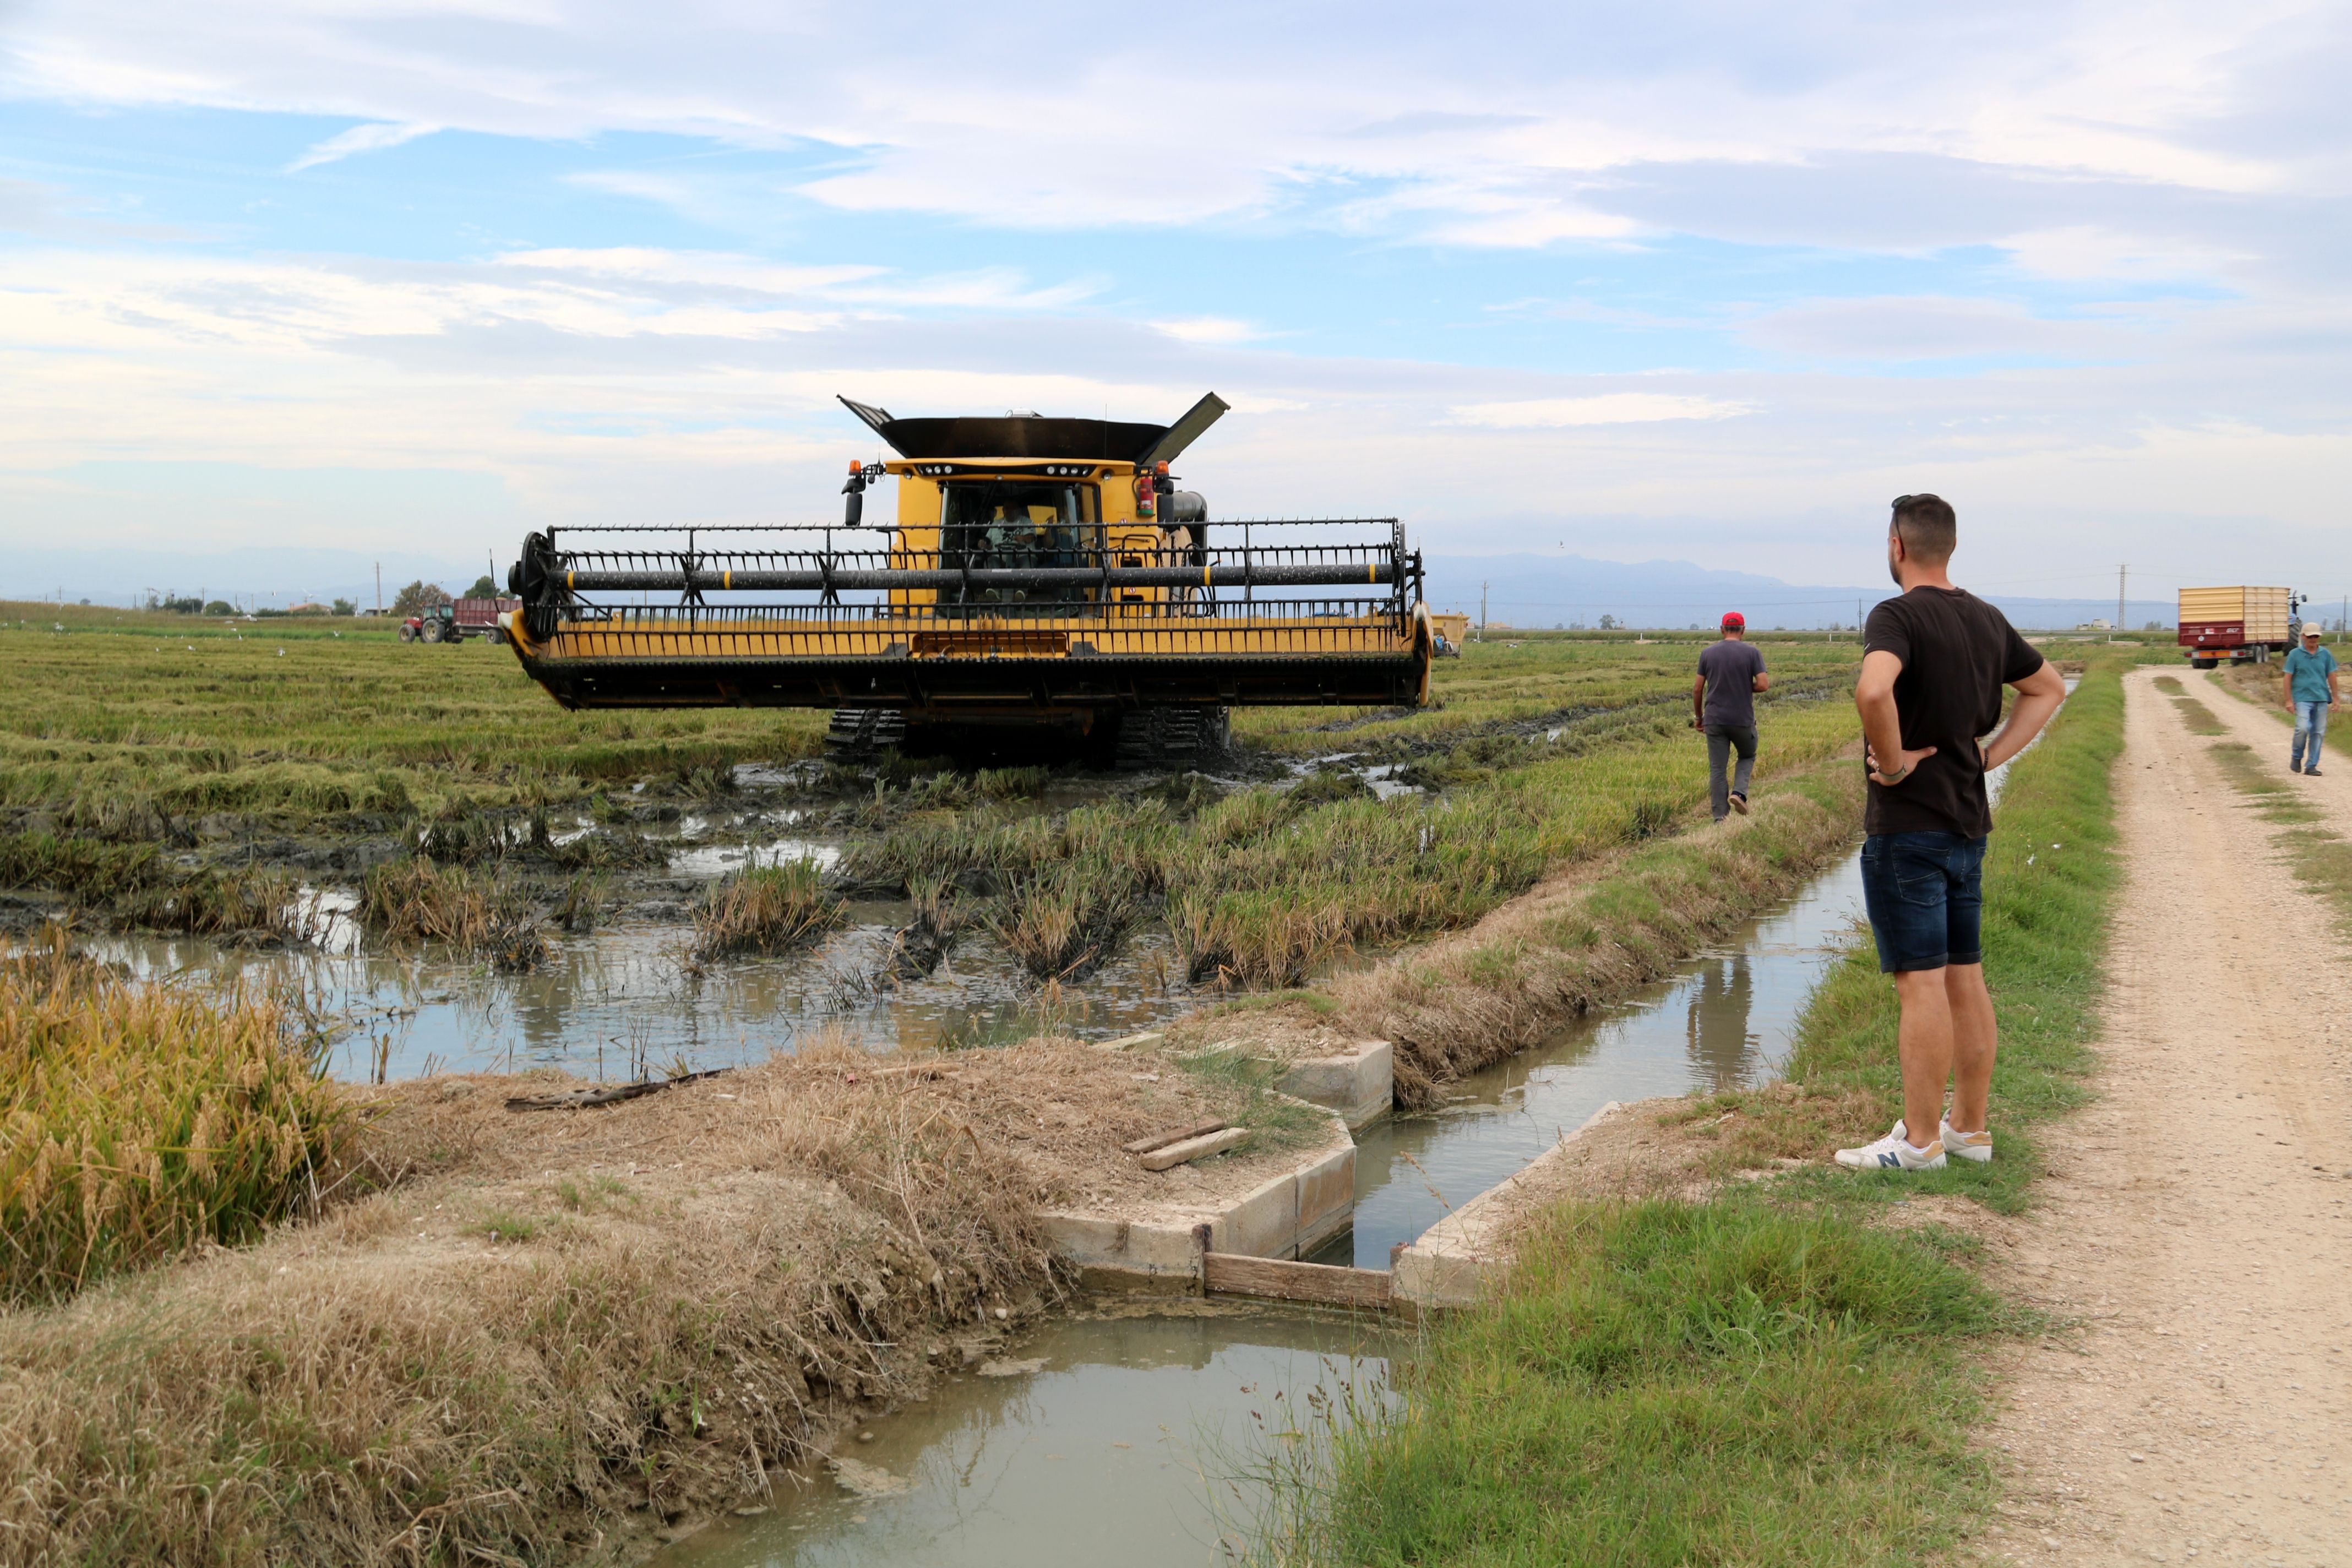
[
  {"x": 2310, "y": 721},
  {"x": 1925, "y": 892}
]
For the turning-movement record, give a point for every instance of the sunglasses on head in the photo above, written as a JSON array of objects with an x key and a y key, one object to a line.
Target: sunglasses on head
[{"x": 1899, "y": 502}]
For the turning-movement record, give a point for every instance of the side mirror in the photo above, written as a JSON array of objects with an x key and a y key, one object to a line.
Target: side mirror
[{"x": 853, "y": 510}]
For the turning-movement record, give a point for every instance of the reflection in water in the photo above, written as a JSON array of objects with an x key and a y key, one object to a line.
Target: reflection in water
[
  {"x": 1723, "y": 1044},
  {"x": 1126, "y": 1448},
  {"x": 617, "y": 1001},
  {"x": 1727, "y": 1019}
]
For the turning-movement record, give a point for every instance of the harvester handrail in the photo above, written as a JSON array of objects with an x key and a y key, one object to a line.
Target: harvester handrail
[{"x": 893, "y": 528}]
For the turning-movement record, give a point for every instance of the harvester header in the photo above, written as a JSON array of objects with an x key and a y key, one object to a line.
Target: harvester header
[{"x": 1042, "y": 575}]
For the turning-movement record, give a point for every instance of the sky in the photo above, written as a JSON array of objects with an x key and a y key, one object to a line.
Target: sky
[{"x": 1687, "y": 281}]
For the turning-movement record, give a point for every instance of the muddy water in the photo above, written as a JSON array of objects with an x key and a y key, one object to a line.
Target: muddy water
[
  {"x": 1128, "y": 1445},
  {"x": 618, "y": 1001},
  {"x": 1725, "y": 1020}
]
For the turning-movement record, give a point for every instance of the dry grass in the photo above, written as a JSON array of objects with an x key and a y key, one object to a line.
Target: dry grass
[
  {"x": 1065, "y": 920},
  {"x": 764, "y": 908},
  {"x": 564, "y": 1327},
  {"x": 142, "y": 1121},
  {"x": 415, "y": 900}
]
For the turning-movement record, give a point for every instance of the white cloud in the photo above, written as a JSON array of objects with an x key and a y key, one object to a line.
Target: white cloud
[
  {"x": 358, "y": 139},
  {"x": 1518, "y": 122},
  {"x": 1608, "y": 408},
  {"x": 1207, "y": 330}
]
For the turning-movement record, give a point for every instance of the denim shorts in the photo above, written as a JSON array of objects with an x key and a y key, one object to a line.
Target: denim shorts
[{"x": 1925, "y": 892}]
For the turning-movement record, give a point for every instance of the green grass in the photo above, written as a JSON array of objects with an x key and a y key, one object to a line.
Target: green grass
[
  {"x": 1275, "y": 1120},
  {"x": 2320, "y": 859},
  {"x": 1669, "y": 1383},
  {"x": 1769, "y": 1376},
  {"x": 499, "y": 1226},
  {"x": 129, "y": 714}
]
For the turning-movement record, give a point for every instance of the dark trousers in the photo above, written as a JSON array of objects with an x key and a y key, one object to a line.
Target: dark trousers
[{"x": 1721, "y": 741}]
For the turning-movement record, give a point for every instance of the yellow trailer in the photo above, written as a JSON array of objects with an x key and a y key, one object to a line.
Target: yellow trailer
[
  {"x": 1043, "y": 576},
  {"x": 2240, "y": 624}
]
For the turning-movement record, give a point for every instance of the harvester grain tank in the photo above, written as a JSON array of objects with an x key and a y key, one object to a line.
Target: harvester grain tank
[
  {"x": 2242, "y": 625},
  {"x": 1043, "y": 578}
]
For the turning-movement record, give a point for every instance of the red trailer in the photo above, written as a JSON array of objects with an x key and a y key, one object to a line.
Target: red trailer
[{"x": 479, "y": 617}]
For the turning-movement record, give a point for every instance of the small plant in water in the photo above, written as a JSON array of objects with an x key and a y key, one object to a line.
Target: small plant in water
[{"x": 764, "y": 908}]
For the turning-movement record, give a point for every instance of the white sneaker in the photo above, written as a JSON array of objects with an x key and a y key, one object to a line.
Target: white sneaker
[
  {"x": 1892, "y": 1153},
  {"x": 1976, "y": 1146}
]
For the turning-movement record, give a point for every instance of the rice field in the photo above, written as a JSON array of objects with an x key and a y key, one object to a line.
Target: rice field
[
  {"x": 129, "y": 738},
  {"x": 124, "y": 714},
  {"x": 144, "y": 1121}
]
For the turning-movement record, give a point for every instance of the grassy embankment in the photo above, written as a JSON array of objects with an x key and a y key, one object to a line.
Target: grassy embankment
[
  {"x": 558, "y": 1363},
  {"x": 1764, "y": 1377}
]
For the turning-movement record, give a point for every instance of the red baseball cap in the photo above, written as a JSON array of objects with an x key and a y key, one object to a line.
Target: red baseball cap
[{"x": 1734, "y": 618}]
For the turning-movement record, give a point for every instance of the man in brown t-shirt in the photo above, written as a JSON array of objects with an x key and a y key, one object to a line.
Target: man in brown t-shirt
[{"x": 1934, "y": 662}]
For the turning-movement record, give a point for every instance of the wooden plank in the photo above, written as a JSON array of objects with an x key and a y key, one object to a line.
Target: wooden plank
[
  {"x": 582, "y": 1099},
  {"x": 1279, "y": 1279},
  {"x": 884, "y": 1075},
  {"x": 1173, "y": 1135},
  {"x": 1192, "y": 1149}
]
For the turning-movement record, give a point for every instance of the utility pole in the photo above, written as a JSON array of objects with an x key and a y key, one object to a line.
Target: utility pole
[
  {"x": 1857, "y": 618},
  {"x": 1481, "y": 612},
  {"x": 379, "y": 587},
  {"x": 2122, "y": 570}
]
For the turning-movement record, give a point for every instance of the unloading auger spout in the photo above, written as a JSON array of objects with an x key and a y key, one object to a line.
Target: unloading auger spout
[{"x": 1043, "y": 576}]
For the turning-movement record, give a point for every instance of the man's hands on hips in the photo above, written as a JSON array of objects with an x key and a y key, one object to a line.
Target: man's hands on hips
[{"x": 1905, "y": 761}]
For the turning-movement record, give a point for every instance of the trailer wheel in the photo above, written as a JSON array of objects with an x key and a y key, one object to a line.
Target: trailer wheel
[
  {"x": 2203, "y": 663},
  {"x": 496, "y": 636}
]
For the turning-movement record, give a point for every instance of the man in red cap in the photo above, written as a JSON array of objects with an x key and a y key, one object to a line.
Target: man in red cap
[{"x": 1722, "y": 704}]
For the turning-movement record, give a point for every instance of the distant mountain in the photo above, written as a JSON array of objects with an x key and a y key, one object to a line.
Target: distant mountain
[
  {"x": 1532, "y": 591},
  {"x": 253, "y": 578},
  {"x": 1543, "y": 591}
]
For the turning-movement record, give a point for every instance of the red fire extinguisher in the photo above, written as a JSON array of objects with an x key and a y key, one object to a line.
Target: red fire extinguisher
[{"x": 1146, "y": 498}]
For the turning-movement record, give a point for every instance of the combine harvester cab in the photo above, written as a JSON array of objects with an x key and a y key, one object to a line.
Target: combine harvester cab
[{"x": 1044, "y": 587}]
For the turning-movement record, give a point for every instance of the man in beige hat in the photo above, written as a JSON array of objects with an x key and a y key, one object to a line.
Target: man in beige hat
[{"x": 2310, "y": 673}]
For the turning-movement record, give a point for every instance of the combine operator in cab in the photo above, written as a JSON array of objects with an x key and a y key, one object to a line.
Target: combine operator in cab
[{"x": 1043, "y": 586}]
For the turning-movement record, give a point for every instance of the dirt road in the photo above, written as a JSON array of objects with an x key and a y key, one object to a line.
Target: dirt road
[{"x": 2197, "y": 1218}]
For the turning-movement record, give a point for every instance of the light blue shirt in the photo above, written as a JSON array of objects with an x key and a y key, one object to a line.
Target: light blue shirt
[{"x": 2309, "y": 668}]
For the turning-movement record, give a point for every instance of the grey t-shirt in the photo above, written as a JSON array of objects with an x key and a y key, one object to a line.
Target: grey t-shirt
[{"x": 1730, "y": 669}]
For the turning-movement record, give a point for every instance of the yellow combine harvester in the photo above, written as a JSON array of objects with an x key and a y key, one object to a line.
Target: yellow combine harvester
[{"x": 1044, "y": 580}]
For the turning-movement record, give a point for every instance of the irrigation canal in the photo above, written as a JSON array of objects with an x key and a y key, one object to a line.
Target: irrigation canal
[
  {"x": 1134, "y": 1439},
  {"x": 1139, "y": 1438}
]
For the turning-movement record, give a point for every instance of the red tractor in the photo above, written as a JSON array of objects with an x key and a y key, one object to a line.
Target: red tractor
[{"x": 433, "y": 623}]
